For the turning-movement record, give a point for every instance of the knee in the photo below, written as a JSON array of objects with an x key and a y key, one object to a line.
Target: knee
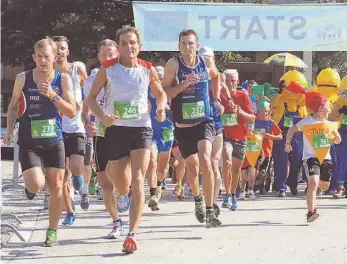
[
  {"x": 107, "y": 187},
  {"x": 56, "y": 187},
  {"x": 35, "y": 186},
  {"x": 77, "y": 169}
]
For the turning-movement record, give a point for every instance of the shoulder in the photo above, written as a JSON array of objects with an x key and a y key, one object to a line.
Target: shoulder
[
  {"x": 21, "y": 76},
  {"x": 65, "y": 77},
  {"x": 110, "y": 63},
  {"x": 144, "y": 63},
  {"x": 171, "y": 63},
  {"x": 81, "y": 67}
]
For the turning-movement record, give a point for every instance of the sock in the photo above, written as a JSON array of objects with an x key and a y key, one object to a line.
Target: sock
[
  {"x": 233, "y": 195},
  {"x": 198, "y": 198},
  {"x": 85, "y": 188},
  {"x": 119, "y": 220},
  {"x": 153, "y": 191},
  {"x": 208, "y": 209},
  {"x": 159, "y": 184}
]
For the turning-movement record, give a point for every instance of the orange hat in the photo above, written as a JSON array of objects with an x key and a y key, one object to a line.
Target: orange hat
[{"x": 314, "y": 101}]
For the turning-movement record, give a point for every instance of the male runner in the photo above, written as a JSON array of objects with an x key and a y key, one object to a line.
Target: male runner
[
  {"x": 235, "y": 122},
  {"x": 128, "y": 121},
  {"x": 186, "y": 84},
  {"x": 73, "y": 129},
  {"x": 42, "y": 95},
  {"x": 107, "y": 50}
]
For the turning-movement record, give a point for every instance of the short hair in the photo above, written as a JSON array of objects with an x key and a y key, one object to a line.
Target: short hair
[
  {"x": 59, "y": 39},
  {"x": 231, "y": 72},
  {"x": 128, "y": 29},
  {"x": 188, "y": 32},
  {"x": 107, "y": 42},
  {"x": 44, "y": 43}
]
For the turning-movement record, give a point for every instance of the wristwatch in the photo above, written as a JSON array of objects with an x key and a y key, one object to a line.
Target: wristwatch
[{"x": 55, "y": 98}]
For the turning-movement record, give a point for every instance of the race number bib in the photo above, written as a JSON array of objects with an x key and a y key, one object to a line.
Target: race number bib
[
  {"x": 168, "y": 135},
  {"x": 102, "y": 129},
  {"x": 43, "y": 128},
  {"x": 193, "y": 110},
  {"x": 229, "y": 120},
  {"x": 288, "y": 121},
  {"x": 344, "y": 120},
  {"x": 253, "y": 146},
  {"x": 259, "y": 131},
  {"x": 321, "y": 141},
  {"x": 127, "y": 110}
]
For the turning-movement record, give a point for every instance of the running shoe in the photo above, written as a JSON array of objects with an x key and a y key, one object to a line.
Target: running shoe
[
  {"x": 84, "y": 202},
  {"x": 312, "y": 216},
  {"x": 233, "y": 203},
  {"x": 77, "y": 181},
  {"x": 212, "y": 220},
  {"x": 117, "y": 230},
  {"x": 251, "y": 194},
  {"x": 153, "y": 202},
  {"x": 123, "y": 203},
  {"x": 69, "y": 219},
  {"x": 28, "y": 194},
  {"x": 227, "y": 201},
  {"x": 51, "y": 238},
  {"x": 242, "y": 195},
  {"x": 200, "y": 211},
  {"x": 129, "y": 245},
  {"x": 216, "y": 209}
]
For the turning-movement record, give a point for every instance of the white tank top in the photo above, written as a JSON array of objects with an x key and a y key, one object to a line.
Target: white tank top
[
  {"x": 75, "y": 124},
  {"x": 128, "y": 94}
]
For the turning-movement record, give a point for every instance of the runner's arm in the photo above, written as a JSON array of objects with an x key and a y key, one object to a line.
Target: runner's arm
[
  {"x": 157, "y": 89},
  {"x": 82, "y": 71},
  {"x": 85, "y": 109},
  {"x": 215, "y": 78},
  {"x": 336, "y": 137},
  {"x": 247, "y": 112},
  {"x": 12, "y": 112},
  {"x": 334, "y": 115},
  {"x": 98, "y": 84},
  {"x": 67, "y": 106},
  {"x": 290, "y": 134},
  {"x": 169, "y": 78}
]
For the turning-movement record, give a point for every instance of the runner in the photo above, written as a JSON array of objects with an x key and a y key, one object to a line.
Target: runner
[
  {"x": 238, "y": 112},
  {"x": 73, "y": 129},
  {"x": 107, "y": 50},
  {"x": 271, "y": 132},
  {"x": 161, "y": 150},
  {"x": 339, "y": 113},
  {"x": 128, "y": 121},
  {"x": 186, "y": 83},
  {"x": 218, "y": 140},
  {"x": 315, "y": 171},
  {"x": 41, "y": 95}
]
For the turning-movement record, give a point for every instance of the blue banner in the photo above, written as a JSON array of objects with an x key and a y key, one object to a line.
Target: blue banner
[{"x": 244, "y": 27}]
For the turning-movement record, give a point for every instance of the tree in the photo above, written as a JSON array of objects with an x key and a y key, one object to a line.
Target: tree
[{"x": 84, "y": 22}]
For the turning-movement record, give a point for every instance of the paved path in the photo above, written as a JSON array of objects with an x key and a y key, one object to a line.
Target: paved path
[{"x": 267, "y": 230}]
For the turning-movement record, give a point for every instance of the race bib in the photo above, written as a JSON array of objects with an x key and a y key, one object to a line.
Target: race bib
[
  {"x": 344, "y": 120},
  {"x": 102, "y": 129},
  {"x": 229, "y": 119},
  {"x": 126, "y": 110},
  {"x": 193, "y": 110},
  {"x": 253, "y": 146},
  {"x": 43, "y": 128},
  {"x": 321, "y": 141},
  {"x": 259, "y": 131},
  {"x": 288, "y": 121},
  {"x": 168, "y": 135}
]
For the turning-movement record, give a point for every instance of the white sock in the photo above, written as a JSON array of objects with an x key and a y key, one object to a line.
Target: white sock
[{"x": 85, "y": 188}]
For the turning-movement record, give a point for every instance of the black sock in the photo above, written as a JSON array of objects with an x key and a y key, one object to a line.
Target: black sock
[
  {"x": 118, "y": 221},
  {"x": 208, "y": 209},
  {"x": 198, "y": 198},
  {"x": 153, "y": 191},
  {"x": 159, "y": 184},
  {"x": 233, "y": 195}
]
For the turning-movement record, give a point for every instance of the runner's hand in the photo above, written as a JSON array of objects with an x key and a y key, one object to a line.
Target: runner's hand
[
  {"x": 91, "y": 129},
  {"x": 79, "y": 106},
  {"x": 107, "y": 119},
  {"x": 7, "y": 139},
  {"x": 192, "y": 78},
  {"x": 220, "y": 107},
  {"x": 46, "y": 89},
  {"x": 161, "y": 115},
  {"x": 267, "y": 135},
  {"x": 288, "y": 148}
]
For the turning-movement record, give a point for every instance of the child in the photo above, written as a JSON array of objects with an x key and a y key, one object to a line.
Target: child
[{"x": 320, "y": 108}]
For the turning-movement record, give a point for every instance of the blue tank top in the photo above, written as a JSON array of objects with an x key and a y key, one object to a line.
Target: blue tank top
[
  {"x": 153, "y": 113},
  {"x": 218, "y": 123},
  {"x": 40, "y": 121},
  {"x": 192, "y": 105}
]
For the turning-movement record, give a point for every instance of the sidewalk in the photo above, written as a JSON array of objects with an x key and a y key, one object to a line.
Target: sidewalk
[{"x": 268, "y": 230}]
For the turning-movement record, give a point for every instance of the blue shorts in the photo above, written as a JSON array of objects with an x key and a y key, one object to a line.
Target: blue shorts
[{"x": 163, "y": 138}]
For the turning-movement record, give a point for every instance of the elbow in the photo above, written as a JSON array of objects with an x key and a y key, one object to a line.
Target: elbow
[
  {"x": 280, "y": 137},
  {"x": 72, "y": 112}
]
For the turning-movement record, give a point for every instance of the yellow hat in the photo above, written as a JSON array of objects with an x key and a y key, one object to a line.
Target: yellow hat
[
  {"x": 294, "y": 76},
  {"x": 329, "y": 78}
]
